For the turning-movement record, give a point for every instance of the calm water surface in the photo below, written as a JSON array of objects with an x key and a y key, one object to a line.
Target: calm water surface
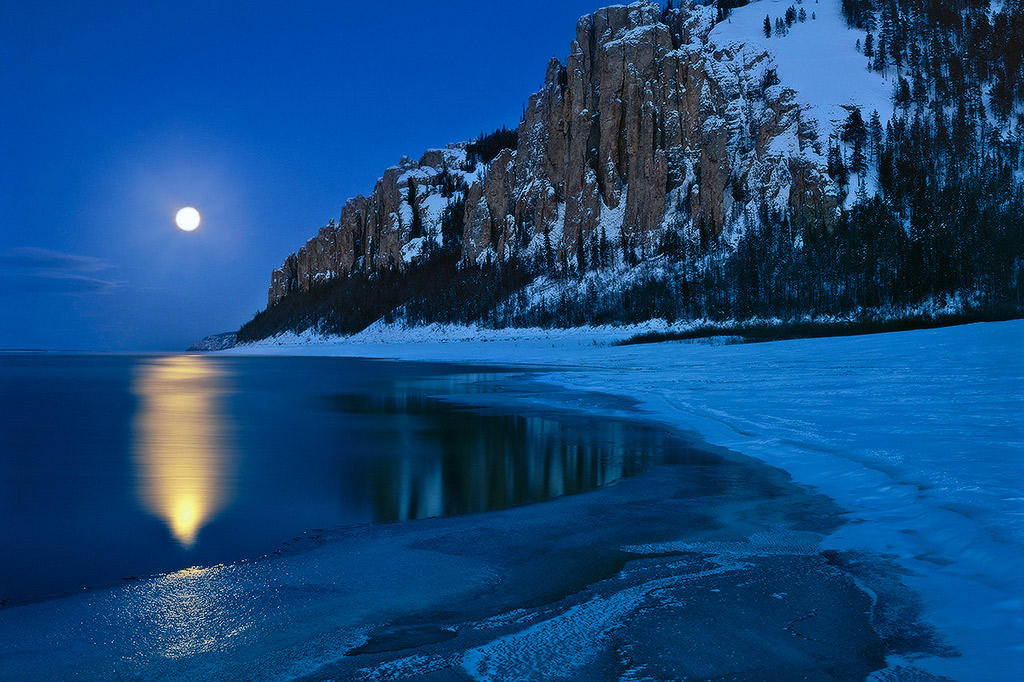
[{"x": 117, "y": 467}]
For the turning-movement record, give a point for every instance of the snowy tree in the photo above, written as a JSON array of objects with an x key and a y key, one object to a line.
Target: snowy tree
[
  {"x": 875, "y": 134},
  {"x": 416, "y": 226}
]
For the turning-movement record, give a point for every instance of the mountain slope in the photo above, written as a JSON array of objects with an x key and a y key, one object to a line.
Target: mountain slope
[{"x": 671, "y": 143}]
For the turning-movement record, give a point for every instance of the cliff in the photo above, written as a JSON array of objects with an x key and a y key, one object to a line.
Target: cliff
[
  {"x": 649, "y": 125},
  {"x": 706, "y": 164},
  {"x": 215, "y": 342}
]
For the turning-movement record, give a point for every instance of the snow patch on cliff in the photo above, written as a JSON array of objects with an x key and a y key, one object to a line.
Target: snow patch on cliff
[{"x": 818, "y": 58}]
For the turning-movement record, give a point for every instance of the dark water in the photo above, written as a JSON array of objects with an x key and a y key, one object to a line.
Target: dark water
[{"x": 115, "y": 467}]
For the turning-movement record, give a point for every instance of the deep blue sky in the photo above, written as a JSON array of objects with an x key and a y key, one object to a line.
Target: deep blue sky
[{"x": 264, "y": 115}]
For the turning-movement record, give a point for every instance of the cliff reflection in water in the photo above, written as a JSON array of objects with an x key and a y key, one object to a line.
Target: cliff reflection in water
[
  {"x": 182, "y": 459},
  {"x": 452, "y": 461}
]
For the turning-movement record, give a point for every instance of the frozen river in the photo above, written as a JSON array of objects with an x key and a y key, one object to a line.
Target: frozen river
[{"x": 121, "y": 467}]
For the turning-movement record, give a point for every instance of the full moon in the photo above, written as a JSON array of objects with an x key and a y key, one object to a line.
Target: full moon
[{"x": 187, "y": 219}]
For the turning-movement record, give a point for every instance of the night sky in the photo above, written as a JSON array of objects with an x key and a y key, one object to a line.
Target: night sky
[{"x": 265, "y": 116}]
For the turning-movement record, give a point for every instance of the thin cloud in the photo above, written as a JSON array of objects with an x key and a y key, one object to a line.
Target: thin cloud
[
  {"x": 35, "y": 258},
  {"x": 33, "y": 269}
]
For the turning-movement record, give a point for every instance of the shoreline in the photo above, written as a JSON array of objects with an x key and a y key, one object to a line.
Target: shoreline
[
  {"x": 619, "y": 572},
  {"x": 747, "y": 330}
]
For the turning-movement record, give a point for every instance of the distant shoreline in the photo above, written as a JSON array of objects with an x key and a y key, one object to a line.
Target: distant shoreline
[
  {"x": 653, "y": 331},
  {"x": 760, "y": 333}
]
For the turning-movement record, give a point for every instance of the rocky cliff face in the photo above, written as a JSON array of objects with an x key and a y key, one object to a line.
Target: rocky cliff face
[
  {"x": 648, "y": 126},
  {"x": 215, "y": 342}
]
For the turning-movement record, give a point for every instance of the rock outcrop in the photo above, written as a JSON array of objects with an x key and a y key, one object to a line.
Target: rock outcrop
[
  {"x": 648, "y": 126},
  {"x": 215, "y": 342}
]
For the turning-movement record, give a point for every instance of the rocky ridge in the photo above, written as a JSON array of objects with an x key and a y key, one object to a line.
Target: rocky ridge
[
  {"x": 648, "y": 126},
  {"x": 215, "y": 342}
]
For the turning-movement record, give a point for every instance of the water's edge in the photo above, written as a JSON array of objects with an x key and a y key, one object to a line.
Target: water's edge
[{"x": 622, "y": 569}]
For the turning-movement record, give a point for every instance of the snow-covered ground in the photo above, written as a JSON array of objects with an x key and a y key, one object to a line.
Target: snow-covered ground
[
  {"x": 810, "y": 58},
  {"x": 918, "y": 434}
]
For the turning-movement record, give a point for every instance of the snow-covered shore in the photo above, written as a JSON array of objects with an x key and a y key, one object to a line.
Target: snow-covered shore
[{"x": 918, "y": 434}]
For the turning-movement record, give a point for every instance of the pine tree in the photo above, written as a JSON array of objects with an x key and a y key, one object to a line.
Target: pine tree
[
  {"x": 767, "y": 27},
  {"x": 875, "y": 133},
  {"x": 858, "y": 163},
  {"x": 416, "y": 227},
  {"x": 880, "y": 57},
  {"x": 836, "y": 167},
  {"x": 447, "y": 185},
  {"x": 920, "y": 92},
  {"x": 451, "y": 225},
  {"x": 902, "y": 94},
  {"x": 853, "y": 130}
]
